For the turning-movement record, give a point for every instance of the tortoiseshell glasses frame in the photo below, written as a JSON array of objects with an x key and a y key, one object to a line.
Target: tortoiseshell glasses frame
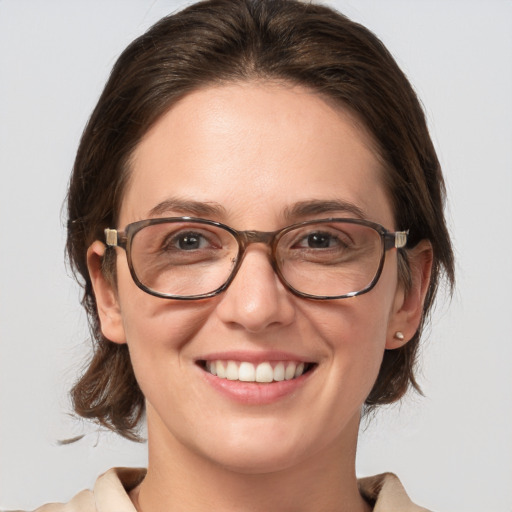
[{"x": 187, "y": 258}]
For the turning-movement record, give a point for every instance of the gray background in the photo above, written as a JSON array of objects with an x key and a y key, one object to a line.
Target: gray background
[{"x": 452, "y": 449}]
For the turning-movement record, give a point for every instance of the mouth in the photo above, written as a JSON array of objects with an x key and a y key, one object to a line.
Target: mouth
[{"x": 264, "y": 372}]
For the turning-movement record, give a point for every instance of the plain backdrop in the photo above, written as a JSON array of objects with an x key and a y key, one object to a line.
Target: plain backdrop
[{"x": 453, "y": 448}]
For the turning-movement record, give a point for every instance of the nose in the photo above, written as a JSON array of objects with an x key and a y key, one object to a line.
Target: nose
[{"x": 256, "y": 299}]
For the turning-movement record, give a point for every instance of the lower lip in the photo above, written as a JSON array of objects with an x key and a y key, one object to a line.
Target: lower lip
[{"x": 255, "y": 393}]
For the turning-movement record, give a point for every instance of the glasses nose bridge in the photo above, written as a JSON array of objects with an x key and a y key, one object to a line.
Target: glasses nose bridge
[
  {"x": 247, "y": 238},
  {"x": 256, "y": 237}
]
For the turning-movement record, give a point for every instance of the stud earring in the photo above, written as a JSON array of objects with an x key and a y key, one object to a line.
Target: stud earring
[{"x": 399, "y": 335}]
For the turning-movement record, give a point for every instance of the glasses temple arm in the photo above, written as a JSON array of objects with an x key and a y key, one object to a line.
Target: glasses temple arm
[
  {"x": 114, "y": 238},
  {"x": 397, "y": 239}
]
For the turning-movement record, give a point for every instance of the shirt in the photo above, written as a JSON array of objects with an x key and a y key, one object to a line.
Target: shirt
[{"x": 110, "y": 494}]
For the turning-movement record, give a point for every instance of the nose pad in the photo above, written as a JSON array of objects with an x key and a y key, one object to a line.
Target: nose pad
[{"x": 256, "y": 299}]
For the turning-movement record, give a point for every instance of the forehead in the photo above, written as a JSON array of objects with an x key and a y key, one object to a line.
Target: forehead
[{"x": 254, "y": 148}]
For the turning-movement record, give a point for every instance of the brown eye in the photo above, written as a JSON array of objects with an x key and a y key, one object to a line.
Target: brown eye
[
  {"x": 320, "y": 240},
  {"x": 190, "y": 241}
]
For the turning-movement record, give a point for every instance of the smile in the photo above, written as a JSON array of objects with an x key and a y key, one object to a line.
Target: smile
[{"x": 264, "y": 372}]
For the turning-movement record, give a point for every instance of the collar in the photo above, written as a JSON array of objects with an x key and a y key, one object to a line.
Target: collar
[{"x": 385, "y": 491}]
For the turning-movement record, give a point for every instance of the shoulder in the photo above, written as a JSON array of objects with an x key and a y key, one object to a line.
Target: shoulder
[
  {"x": 110, "y": 493},
  {"x": 387, "y": 494}
]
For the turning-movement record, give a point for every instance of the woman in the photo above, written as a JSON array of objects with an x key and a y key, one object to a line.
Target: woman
[{"x": 255, "y": 214}]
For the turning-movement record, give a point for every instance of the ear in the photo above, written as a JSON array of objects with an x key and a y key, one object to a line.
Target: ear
[
  {"x": 105, "y": 292},
  {"x": 408, "y": 305}
]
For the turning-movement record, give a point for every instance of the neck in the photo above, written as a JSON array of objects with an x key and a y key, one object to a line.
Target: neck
[{"x": 180, "y": 479}]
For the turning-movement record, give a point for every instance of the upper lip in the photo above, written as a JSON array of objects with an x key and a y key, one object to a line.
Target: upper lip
[{"x": 254, "y": 357}]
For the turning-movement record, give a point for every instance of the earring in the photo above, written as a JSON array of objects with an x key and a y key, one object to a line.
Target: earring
[{"x": 399, "y": 335}]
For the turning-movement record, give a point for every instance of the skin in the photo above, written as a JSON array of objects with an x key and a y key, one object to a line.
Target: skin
[{"x": 254, "y": 150}]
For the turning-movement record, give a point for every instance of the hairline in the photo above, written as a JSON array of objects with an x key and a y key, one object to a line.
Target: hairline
[{"x": 367, "y": 137}]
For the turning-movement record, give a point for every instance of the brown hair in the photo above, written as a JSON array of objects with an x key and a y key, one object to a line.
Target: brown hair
[{"x": 221, "y": 41}]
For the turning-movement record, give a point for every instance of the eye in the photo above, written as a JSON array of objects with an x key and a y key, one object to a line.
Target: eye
[
  {"x": 320, "y": 240},
  {"x": 189, "y": 241}
]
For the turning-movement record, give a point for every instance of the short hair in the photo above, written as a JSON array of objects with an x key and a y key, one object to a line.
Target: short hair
[{"x": 224, "y": 41}]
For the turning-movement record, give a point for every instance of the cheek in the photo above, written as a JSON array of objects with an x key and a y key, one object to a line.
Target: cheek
[
  {"x": 158, "y": 333},
  {"x": 356, "y": 324},
  {"x": 354, "y": 332},
  {"x": 154, "y": 326},
  {"x": 357, "y": 341},
  {"x": 152, "y": 320}
]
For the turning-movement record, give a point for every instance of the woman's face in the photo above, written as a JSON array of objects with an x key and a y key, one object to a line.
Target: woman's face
[{"x": 248, "y": 155}]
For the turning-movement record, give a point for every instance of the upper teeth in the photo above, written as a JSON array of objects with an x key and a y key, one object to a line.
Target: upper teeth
[{"x": 248, "y": 372}]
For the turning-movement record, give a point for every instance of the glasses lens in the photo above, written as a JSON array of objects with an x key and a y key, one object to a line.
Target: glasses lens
[
  {"x": 183, "y": 258},
  {"x": 330, "y": 259}
]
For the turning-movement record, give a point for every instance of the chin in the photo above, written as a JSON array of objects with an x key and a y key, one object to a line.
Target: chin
[
  {"x": 256, "y": 462},
  {"x": 264, "y": 448}
]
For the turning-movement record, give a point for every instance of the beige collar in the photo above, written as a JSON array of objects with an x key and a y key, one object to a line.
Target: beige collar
[{"x": 385, "y": 492}]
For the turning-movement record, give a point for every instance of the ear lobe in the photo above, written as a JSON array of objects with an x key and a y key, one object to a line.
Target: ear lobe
[
  {"x": 408, "y": 307},
  {"x": 105, "y": 293}
]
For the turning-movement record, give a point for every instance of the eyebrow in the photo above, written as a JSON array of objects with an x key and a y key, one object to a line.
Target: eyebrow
[
  {"x": 188, "y": 207},
  {"x": 298, "y": 210},
  {"x": 317, "y": 206}
]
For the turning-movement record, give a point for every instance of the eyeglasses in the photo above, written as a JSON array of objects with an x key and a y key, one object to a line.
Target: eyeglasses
[{"x": 187, "y": 258}]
